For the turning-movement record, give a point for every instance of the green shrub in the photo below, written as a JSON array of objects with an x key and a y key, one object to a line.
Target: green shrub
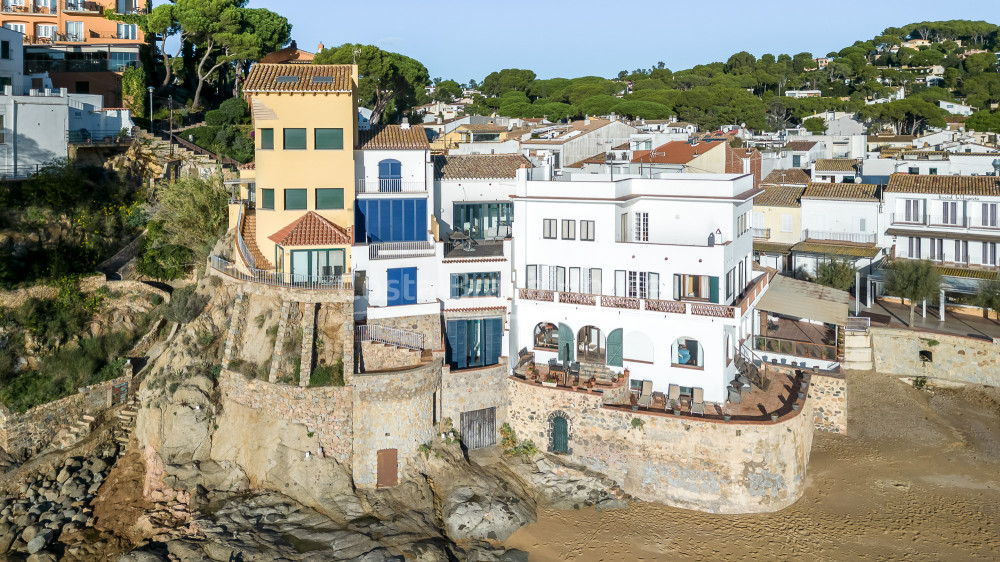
[
  {"x": 185, "y": 305},
  {"x": 919, "y": 383},
  {"x": 514, "y": 448},
  {"x": 173, "y": 387},
  {"x": 328, "y": 375},
  {"x": 215, "y": 118},
  {"x": 234, "y": 110},
  {"x": 638, "y": 423}
]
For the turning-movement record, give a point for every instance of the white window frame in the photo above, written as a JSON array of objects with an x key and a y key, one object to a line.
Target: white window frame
[
  {"x": 641, "y": 227},
  {"x": 550, "y": 229},
  {"x": 787, "y": 223},
  {"x": 587, "y": 231}
]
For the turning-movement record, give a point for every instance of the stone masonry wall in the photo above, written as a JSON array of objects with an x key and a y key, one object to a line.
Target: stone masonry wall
[
  {"x": 706, "y": 465},
  {"x": 828, "y": 395},
  {"x": 468, "y": 390},
  {"x": 345, "y": 296},
  {"x": 381, "y": 357},
  {"x": 325, "y": 411},
  {"x": 395, "y": 411},
  {"x": 955, "y": 358},
  {"x": 16, "y": 297},
  {"x": 27, "y": 433},
  {"x": 428, "y": 325}
]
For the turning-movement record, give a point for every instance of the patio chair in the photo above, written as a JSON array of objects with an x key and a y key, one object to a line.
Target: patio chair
[
  {"x": 744, "y": 383},
  {"x": 646, "y": 399},
  {"x": 553, "y": 365},
  {"x": 673, "y": 396},
  {"x": 698, "y": 401}
]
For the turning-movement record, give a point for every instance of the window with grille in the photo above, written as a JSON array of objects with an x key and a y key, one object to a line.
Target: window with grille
[
  {"x": 642, "y": 227},
  {"x": 475, "y": 284}
]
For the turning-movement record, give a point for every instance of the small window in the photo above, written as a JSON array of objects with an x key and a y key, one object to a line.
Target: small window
[
  {"x": 322, "y": 80},
  {"x": 266, "y": 139},
  {"x": 587, "y": 231},
  {"x": 295, "y": 139},
  {"x": 786, "y": 223},
  {"x": 329, "y": 139},
  {"x": 287, "y": 79},
  {"x": 330, "y": 198},
  {"x": 914, "y": 171},
  {"x": 267, "y": 199},
  {"x": 568, "y": 229},
  {"x": 549, "y": 229},
  {"x": 933, "y": 171},
  {"x": 295, "y": 199},
  {"x": 4, "y": 49}
]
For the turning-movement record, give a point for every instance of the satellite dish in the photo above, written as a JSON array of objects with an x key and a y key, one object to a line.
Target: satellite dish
[{"x": 743, "y": 125}]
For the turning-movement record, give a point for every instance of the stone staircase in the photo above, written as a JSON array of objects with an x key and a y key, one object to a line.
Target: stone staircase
[
  {"x": 123, "y": 429},
  {"x": 179, "y": 156},
  {"x": 249, "y": 233},
  {"x": 308, "y": 336},
  {"x": 279, "y": 341},
  {"x": 597, "y": 371},
  {"x": 235, "y": 328},
  {"x": 859, "y": 353},
  {"x": 67, "y": 437}
]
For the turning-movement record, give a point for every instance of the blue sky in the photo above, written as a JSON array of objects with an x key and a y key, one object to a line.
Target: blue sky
[{"x": 464, "y": 39}]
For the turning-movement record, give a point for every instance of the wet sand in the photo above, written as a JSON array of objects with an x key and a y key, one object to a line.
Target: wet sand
[{"x": 918, "y": 478}]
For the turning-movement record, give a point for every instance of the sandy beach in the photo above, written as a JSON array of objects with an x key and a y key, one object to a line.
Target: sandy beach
[{"x": 917, "y": 478}]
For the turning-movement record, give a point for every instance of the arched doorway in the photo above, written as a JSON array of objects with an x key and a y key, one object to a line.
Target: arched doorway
[
  {"x": 390, "y": 177},
  {"x": 590, "y": 345},
  {"x": 546, "y": 336},
  {"x": 560, "y": 435}
]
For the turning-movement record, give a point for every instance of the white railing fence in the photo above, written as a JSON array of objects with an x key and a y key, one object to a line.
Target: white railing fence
[
  {"x": 276, "y": 279},
  {"x": 389, "y": 336},
  {"x": 390, "y": 186},
  {"x": 393, "y": 250},
  {"x": 855, "y": 237}
]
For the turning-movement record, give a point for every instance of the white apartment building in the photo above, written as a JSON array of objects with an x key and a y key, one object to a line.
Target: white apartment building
[
  {"x": 839, "y": 222},
  {"x": 649, "y": 275},
  {"x": 956, "y": 108}
]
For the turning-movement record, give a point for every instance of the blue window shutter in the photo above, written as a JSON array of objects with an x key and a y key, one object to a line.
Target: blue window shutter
[
  {"x": 456, "y": 343},
  {"x": 614, "y": 347},
  {"x": 455, "y": 280},
  {"x": 384, "y": 221},
  {"x": 494, "y": 339},
  {"x": 408, "y": 282},
  {"x": 360, "y": 224},
  {"x": 409, "y": 220},
  {"x": 421, "y": 220},
  {"x": 713, "y": 289},
  {"x": 394, "y": 286},
  {"x": 396, "y": 220},
  {"x": 567, "y": 343}
]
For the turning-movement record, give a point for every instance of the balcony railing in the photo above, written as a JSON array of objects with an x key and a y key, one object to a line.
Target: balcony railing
[
  {"x": 902, "y": 219},
  {"x": 83, "y": 6},
  {"x": 29, "y": 9},
  {"x": 395, "y": 250},
  {"x": 391, "y": 186},
  {"x": 939, "y": 220},
  {"x": 949, "y": 221},
  {"x": 101, "y": 137},
  {"x": 855, "y": 237},
  {"x": 389, "y": 336},
  {"x": 796, "y": 348},
  {"x": 578, "y": 298},
  {"x": 537, "y": 295},
  {"x": 278, "y": 279},
  {"x": 764, "y": 233}
]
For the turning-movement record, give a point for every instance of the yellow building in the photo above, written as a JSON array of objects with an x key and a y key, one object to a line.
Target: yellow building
[
  {"x": 300, "y": 219},
  {"x": 777, "y": 224}
]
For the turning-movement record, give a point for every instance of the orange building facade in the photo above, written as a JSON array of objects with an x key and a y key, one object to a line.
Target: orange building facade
[{"x": 81, "y": 50}]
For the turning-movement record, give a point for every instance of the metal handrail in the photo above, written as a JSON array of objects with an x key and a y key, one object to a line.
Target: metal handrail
[
  {"x": 389, "y": 336},
  {"x": 281, "y": 279},
  {"x": 248, "y": 258},
  {"x": 393, "y": 185}
]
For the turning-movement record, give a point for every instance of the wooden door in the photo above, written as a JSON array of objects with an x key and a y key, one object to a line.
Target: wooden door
[
  {"x": 479, "y": 428},
  {"x": 560, "y": 435},
  {"x": 388, "y": 468}
]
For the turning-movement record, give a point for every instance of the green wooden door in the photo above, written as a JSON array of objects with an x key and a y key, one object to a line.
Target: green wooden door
[
  {"x": 615, "y": 348},
  {"x": 560, "y": 435},
  {"x": 566, "y": 343},
  {"x": 713, "y": 289}
]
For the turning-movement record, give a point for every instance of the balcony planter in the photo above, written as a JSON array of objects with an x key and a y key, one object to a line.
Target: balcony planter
[
  {"x": 727, "y": 417},
  {"x": 677, "y": 412},
  {"x": 802, "y": 396},
  {"x": 774, "y": 418},
  {"x": 795, "y": 407},
  {"x": 635, "y": 408},
  {"x": 549, "y": 384}
]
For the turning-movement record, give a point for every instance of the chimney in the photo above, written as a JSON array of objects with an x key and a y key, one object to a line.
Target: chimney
[
  {"x": 293, "y": 45},
  {"x": 405, "y": 124},
  {"x": 586, "y": 119},
  {"x": 320, "y": 47}
]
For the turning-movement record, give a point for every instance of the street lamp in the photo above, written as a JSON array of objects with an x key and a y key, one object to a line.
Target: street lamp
[
  {"x": 170, "y": 104},
  {"x": 150, "y": 90}
]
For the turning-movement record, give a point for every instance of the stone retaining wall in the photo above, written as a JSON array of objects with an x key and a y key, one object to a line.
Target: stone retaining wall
[
  {"x": 706, "y": 465},
  {"x": 395, "y": 411},
  {"x": 287, "y": 293},
  {"x": 381, "y": 357},
  {"x": 954, "y": 358},
  {"x": 469, "y": 390},
  {"x": 25, "y": 434},
  {"x": 828, "y": 394},
  {"x": 325, "y": 411},
  {"x": 16, "y": 297},
  {"x": 427, "y": 325}
]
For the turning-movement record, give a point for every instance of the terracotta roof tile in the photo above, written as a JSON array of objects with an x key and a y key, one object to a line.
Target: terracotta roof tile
[
  {"x": 479, "y": 166},
  {"x": 483, "y": 128},
  {"x": 779, "y": 196},
  {"x": 793, "y": 176},
  {"x": 891, "y": 138},
  {"x": 841, "y": 250},
  {"x": 311, "y": 230},
  {"x": 771, "y": 248},
  {"x": 949, "y": 185},
  {"x": 393, "y": 137},
  {"x": 800, "y": 146},
  {"x": 676, "y": 152},
  {"x": 836, "y": 165},
  {"x": 841, "y": 191},
  {"x": 299, "y": 78}
]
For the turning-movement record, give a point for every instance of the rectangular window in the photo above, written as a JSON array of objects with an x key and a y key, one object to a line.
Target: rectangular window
[
  {"x": 329, "y": 139},
  {"x": 574, "y": 279},
  {"x": 620, "y": 287},
  {"x": 933, "y": 171},
  {"x": 549, "y": 229},
  {"x": 758, "y": 220},
  {"x": 484, "y": 221},
  {"x": 796, "y": 161},
  {"x": 989, "y": 253},
  {"x": 474, "y": 343},
  {"x": 295, "y": 139},
  {"x": 401, "y": 286},
  {"x": 296, "y": 199},
  {"x": 267, "y": 199},
  {"x": 912, "y": 210},
  {"x": 74, "y": 31},
  {"x": 691, "y": 287},
  {"x": 937, "y": 249},
  {"x": 330, "y": 198},
  {"x": 914, "y": 171},
  {"x": 560, "y": 278},
  {"x": 862, "y": 224},
  {"x": 587, "y": 231},
  {"x": 5, "y": 49},
  {"x": 641, "y": 227},
  {"x": 961, "y": 251},
  {"x": 730, "y": 283},
  {"x": 949, "y": 212},
  {"x": 989, "y": 214},
  {"x": 475, "y": 285},
  {"x": 568, "y": 229},
  {"x": 127, "y": 31},
  {"x": 591, "y": 281},
  {"x": 266, "y": 139},
  {"x": 786, "y": 223},
  {"x": 531, "y": 277}
]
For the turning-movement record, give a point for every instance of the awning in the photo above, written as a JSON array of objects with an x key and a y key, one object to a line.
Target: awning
[
  {"x": 869, "y": 251},
  {"x": 772, "y": 248},
  {"x": 802, "y": 299}
]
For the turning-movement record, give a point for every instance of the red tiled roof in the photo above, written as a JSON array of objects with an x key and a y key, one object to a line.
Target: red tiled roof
[
  {"x": 800, "y": 146},
  {"x": 393, "y": 137},
  {"x": 290, "y": 54},
  {"x": 311, "y": 230},
  {"x": 676, "y": 152},
  {"x": 792, "y": 176},
  {"x": 949, "y": 185},
  {"x": 299, "y": 78},
  {"x": 479, "y": 166}
]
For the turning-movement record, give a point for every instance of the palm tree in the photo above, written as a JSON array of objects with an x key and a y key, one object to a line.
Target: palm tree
[{"x": 914, "y": 280}]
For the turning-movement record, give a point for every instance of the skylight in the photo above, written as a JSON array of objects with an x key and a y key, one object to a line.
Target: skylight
[
  {"x": 287, "y": 79},
  {"x": 322, "y": 79}
]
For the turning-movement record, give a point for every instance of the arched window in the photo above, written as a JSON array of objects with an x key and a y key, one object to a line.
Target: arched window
[
  {"x": 390, "y": 174},
  {"x": 546, "y": 336},
  {"x": 687, "y": 352},
  {"x": 590, "y": 345}
]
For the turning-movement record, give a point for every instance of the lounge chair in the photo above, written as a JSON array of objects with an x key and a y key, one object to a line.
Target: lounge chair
[
  {"x": 646, "y": 399},
  {"x": 698, "y": 401},
  {"x": 673, "y": 396}
]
